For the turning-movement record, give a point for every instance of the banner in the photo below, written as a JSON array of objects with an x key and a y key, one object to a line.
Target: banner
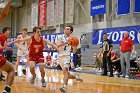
[
  {"x": 50, "y": 13},
  {"x": 42, "y": 13},
  {"x": 51, "y": 37},
  {"x": 116, "y": 34},
  {"x": 137, "y": 6},
  {"x": 123, "y": 7},
  {"x": 97, "y": 7},
  {"x": 59, "y": 10},
  {"x": 34, "y": 15},
  {"x": 69, "y": 11}
]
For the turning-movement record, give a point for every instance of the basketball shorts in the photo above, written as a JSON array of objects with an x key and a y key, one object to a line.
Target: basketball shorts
[
  {"x": 64, "y": 61},
  {"x": 36, "y": 58},
  {"x": 22, "y": 52}
]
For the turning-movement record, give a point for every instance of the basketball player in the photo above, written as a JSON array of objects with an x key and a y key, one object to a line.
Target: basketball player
[
  {"x": 64, "y": 56},
  {"x": 36, "y": 48},
  {"x": 4, "y": 64},
  {"x": 22, "y": 51}
]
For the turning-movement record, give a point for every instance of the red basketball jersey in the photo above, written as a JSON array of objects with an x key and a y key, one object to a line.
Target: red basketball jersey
[
  {"x": 3, "y": 39},
  {"x": 48, "y": 58},
  {"x": 36, "y": 48}
]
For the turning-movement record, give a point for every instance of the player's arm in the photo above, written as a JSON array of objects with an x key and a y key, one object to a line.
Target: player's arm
[
  {"x": 6, "y": 46},
  {"x": 50, "y": 43},
  {"x": 17, "y": 44},
  {"x": 2, "y": 47},
  {"x": 59, "y": 42},
  {"x": 74, "y": 49},
  {"x": 27, "y": 39},
  {"x": 72, "y": 64}
]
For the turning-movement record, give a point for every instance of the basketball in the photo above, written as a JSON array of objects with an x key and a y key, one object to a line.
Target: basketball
[{"x": 73, "y": 41}]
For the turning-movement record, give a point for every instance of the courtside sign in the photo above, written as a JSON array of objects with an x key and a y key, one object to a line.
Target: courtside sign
[{"x": 116, "y": 34}]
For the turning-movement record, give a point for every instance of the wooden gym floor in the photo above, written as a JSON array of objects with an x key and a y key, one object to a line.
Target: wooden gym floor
[{"x": 92, "y": 84}]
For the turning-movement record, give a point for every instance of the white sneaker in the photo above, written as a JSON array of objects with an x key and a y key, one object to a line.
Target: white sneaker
[
  {"x": 115, "y": 73},
  {"x": 99, "y": 71},
  {"x": 126, "y": 76},
  {"x": 121, "y": 75},
  {"x": 32, "y": 80},
  {"x": 43, "y": 83},
  {"x": 79, "y": 69},
  {"x": 63, "y": 89},
  {"x": 78, "y": 78},
  {"x": 4, "y": 91}
]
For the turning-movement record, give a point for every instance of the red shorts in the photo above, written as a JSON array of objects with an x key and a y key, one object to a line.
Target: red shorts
[
  {"x": 36, "y": 58},
  {"x": 2, "y": 61}
]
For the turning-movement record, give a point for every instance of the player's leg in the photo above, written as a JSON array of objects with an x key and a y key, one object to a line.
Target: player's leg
[
  {"x": 32, "y": 70},
  {"x": 42, "y": 71},
  {"x": 65, "y": 64},
  {"x": 27, "y": 57},
  {"x": 1, "y": 78},
  {"x": 75, "y": 76},
  {"x": 17, "y": 64},
  {"x": 65, "y": 74},
  {"x": 26, "y": 64},
  {"x": 8, "y": 67}
]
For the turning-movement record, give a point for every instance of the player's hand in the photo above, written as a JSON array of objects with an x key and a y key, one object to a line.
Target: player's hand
[
  {"x": 20, "y": 48},
  {"x": 108, "y": 54},
  {"x": 9, "y": 43},
  {"x": 4, "y": 47},
  {"x": 9, "y": 48},
  {"x": 65, "y": 42}
]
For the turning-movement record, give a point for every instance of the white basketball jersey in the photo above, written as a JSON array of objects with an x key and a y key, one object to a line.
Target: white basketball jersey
[
  {"x": 65, "y": 49},
  {"x": 23, "y": 44}
]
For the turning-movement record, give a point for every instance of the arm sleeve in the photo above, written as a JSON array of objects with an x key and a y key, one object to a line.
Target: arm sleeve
[{"x": 110, "y": 43}]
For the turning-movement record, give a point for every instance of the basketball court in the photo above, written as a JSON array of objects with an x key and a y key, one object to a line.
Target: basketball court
[
  {"x": 90, "y": 21},
  {"x": 92, "y": 83}
]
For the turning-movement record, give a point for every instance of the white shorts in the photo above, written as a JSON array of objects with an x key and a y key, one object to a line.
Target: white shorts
[
  {"x": 22, "y": 53},
  {"x": 64, "y": 61}
]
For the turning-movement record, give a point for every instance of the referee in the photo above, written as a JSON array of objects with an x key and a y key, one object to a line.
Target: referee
[{"x": 106, "y": 49}]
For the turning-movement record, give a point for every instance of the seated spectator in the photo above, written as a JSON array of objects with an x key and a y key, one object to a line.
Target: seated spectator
[
  {"x": 115, "y": 62},
  {"x": 79, "y": 59},
  {"x": 79, "y": 55},
  {"x": 55, "y": 63},
  {"x": 48, "y": 59},
  {"x": 138, "y": 63},
  {"x": 98, "y": 62},
  {"x": 133, "y": 57}
]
